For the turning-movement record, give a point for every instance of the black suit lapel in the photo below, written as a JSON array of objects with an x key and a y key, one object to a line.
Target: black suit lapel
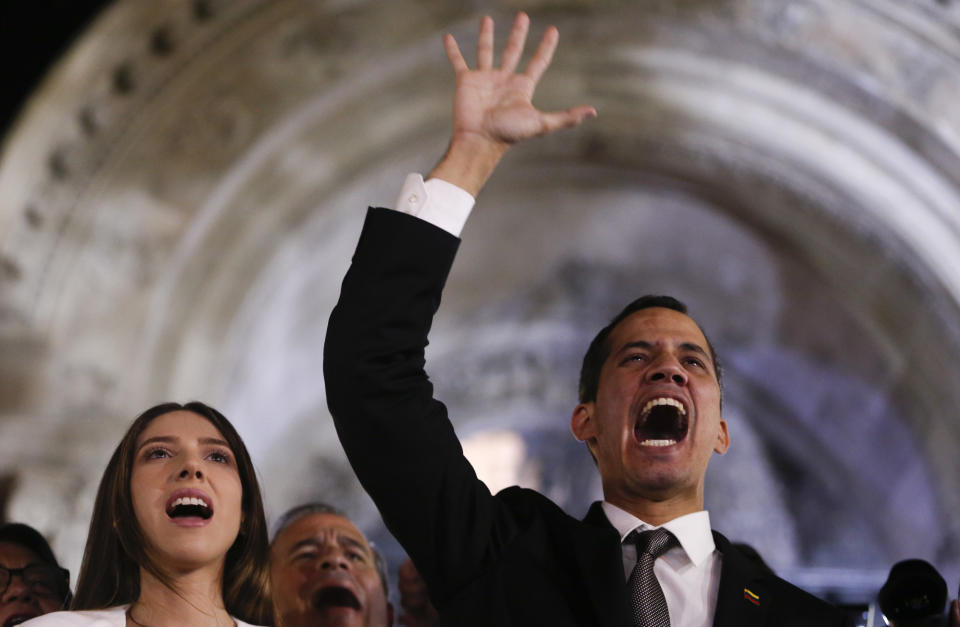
[
  {"x": 743, "y": 598},
  {"x": 598, "y": 555}
]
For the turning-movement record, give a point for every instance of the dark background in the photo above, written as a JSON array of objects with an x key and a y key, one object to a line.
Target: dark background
[{"x": 33, "y": 34}]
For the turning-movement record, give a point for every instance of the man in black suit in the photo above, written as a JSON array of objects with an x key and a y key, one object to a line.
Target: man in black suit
[{"x": 649, "y": 412}]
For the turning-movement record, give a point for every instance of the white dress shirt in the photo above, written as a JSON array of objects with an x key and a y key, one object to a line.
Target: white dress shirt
[
  {"x": 689, "y": 574},
  {"x": 440, "y": 203}
]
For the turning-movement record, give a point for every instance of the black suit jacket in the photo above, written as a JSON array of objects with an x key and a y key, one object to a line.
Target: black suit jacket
[{"x": 514, "y": 558}]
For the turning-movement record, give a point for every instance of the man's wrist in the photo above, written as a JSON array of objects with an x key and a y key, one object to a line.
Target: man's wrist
[{"x": 469, "y": 161}]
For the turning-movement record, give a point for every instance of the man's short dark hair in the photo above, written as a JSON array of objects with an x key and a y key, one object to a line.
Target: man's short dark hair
[
  {"x": 308, "y": 509},
  {"x": 599, "y": 348}
]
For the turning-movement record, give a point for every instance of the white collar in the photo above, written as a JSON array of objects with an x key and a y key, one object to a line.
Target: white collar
[{"x": 691, "y": 530}]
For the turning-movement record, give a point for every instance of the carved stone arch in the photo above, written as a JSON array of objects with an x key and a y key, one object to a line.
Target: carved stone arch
[{"x": 180, "y": 197}]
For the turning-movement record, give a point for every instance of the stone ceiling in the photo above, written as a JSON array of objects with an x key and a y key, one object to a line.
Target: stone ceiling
[{"x": 180, "y": 197}]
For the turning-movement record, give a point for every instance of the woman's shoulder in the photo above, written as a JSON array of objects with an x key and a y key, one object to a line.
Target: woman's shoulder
[{"x": 110, "y": 617}]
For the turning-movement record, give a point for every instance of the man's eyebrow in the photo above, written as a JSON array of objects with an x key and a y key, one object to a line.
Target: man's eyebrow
[
  {"x": 312, "y": 542},
  {"x": 343, "y": 540},
  {"x": 355, "y": 544},
  {"x": 635, "y": 344},
  {"x": 696, "y": 348},
  {"x": 687, "y": 346},
  {"x": 30, "y": 565}
]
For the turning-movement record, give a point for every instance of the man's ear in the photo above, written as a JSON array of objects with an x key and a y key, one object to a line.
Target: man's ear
[
  {"x": 582, "y": 424},
  {"x": 723, "y": 438}
]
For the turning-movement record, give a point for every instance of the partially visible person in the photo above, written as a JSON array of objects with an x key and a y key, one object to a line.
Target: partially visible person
[
  {"x": 914, "y": 595},
  {"x": 324, "y": 572},
  {"x": 418, "y": 610},
  {"x": 32, "y": 583},
  {"x": 178, "y": 534}
]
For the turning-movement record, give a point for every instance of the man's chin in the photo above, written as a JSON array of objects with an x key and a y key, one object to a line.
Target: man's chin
[
  {"x": 658, "y": 482},
  {"x": 325, "y": 617}
]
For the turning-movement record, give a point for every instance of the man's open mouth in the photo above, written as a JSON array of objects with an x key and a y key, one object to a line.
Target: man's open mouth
[
  {"x": 662, "y": 422},
  {"x": 335, "y": 596}
]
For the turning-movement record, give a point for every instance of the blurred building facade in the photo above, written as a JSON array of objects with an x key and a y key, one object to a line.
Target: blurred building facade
[{"x": 180, "y": 196}]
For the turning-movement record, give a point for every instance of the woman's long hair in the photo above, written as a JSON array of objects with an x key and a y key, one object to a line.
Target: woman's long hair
[{"x": 117, "y": 548}]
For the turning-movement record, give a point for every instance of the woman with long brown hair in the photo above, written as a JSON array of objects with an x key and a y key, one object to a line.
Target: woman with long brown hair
[{"x": 178, "y": 534}]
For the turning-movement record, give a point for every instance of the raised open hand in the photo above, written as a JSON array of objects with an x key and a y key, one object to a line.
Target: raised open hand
[
  {"x": 495, "y": 103},
  {"x": 492, "y": 107}
]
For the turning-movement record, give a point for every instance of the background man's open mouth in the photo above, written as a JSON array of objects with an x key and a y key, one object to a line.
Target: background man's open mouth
[{"x": 335, "y": 596}]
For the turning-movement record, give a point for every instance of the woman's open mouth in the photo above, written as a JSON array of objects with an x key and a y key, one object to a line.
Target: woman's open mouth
[{"x": 189, "y": 508}]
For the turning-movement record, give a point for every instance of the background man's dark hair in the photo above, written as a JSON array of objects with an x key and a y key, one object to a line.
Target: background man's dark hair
[{"x": 599, "y": 348}]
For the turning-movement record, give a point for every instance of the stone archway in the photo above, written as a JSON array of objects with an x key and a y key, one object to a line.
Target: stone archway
[{"x": 181, "y": 196}]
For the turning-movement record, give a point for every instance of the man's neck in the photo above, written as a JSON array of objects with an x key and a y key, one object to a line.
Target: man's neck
[{"x": 656, "y": 511}]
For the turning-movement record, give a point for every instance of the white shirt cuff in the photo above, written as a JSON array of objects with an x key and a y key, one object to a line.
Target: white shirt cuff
[{"x": 440, "y": 203}]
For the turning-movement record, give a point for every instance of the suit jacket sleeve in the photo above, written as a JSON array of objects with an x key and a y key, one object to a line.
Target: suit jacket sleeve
[{"x": 397, "y": 437}]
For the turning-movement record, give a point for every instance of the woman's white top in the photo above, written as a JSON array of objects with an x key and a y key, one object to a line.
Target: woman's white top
[{"x": 110, "y": 617}]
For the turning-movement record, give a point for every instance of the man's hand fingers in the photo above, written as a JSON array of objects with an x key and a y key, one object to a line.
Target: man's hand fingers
[
  {"x": 485, "y": 44},
  {"x": 514, "y": 48},
  {"x": 492, "y": 108},
  {"x": 544, "y": 54},
  {"x": 557, "y": 120},
  {"x": 415, "y": 604},
  {"x": 453, "y": 53},
  {"x": 407, "y": 570},
  {"x": 413, "y": 592}
]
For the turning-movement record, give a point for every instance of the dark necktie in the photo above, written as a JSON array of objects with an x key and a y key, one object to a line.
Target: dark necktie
[{"x": 646, "y": 597}]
